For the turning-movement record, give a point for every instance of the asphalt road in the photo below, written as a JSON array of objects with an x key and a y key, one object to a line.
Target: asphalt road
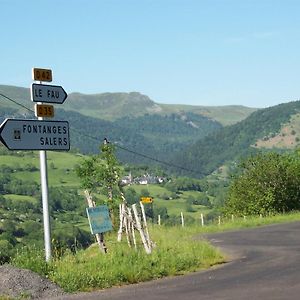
[{"x": 264, "y": 263}]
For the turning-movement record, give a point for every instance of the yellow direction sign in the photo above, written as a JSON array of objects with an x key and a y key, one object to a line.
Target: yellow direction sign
[
  {"x": 146, "y": 199},
  {"x": 43, "y": 110},
  {"x": 42, "y": 74}
]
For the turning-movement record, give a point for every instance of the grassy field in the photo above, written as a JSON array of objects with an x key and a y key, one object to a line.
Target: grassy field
[
  {"x": 60, "y": 167},
  {"x": 14, "y": 197},
  {"x": 174, "y": 206},
  {"x": 61, "y": 173}
]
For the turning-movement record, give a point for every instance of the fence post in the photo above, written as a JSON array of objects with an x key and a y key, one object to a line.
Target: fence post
[
  {"x": 182, "y": 219},
  {"x": 139, "y": 228},
  {"x": 145, "y": 225},
  {"x": 202, "y": 220}
]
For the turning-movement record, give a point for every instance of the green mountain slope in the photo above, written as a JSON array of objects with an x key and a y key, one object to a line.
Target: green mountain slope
[
  {"x": 232, "y": 142},
  {"x": 130, "y": 120},
  {"x": 151, "y": 135},
  {"x": 112, "y": 106}
]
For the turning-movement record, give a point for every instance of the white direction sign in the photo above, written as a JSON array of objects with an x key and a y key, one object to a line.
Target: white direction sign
[
  {"x": 18, "y": 134},
  {"x": 48, "y": 93}
]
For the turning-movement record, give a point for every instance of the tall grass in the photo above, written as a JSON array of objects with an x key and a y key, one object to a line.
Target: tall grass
[{"x": 176, "y": 253}]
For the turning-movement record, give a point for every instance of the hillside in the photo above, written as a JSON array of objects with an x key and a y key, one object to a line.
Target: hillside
[
  {"x": 112, "y": 106},
  {"x": 239, "y": 140},
  {"x": 287, "y": 138},
  {"x": 154, "y": 135}
]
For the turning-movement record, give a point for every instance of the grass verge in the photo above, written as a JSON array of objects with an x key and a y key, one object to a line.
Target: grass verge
[{"x": 176, "y": 253}]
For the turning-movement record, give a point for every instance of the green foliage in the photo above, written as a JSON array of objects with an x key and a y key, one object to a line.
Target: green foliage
[
  {"x": 266, "y": 183},
  {"x": 67, "y": 237},
  {"x": 5, "y": 251},
  {"x": 32, "y": 258},
  {"x": 131, "y": 196},
  {"x": 101, "y": 174},
  {"x": 65, "y": 199},
  {"x": 183, "y": 184},
  {"x": 234, "y": 142}
]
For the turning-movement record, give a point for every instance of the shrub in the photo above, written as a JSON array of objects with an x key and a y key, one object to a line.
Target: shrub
[{"x": 268, "y": 183}]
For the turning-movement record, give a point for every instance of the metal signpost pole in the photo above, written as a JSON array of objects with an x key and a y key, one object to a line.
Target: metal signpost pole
[
  {"x": 46, "y": 75},
  {"x": 45, "y": 201},
  {"x": 18, "y": 134},
  {"x": 46, "y": 216},
  {"x": 24, "y": 134}
]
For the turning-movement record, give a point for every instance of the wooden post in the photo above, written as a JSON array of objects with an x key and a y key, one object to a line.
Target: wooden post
[
  {"x": 121, "y": 211},
  {"x": 219, "y": 221},
  {"x": 232, "y": 218},
  {"x": 99, "y": 236},
  {"x": 202, "y": 220},
  {"x": 139, "y": 228},
  {"x": 127, "y": 230},
  {"x": 131, "y": 227},
  {"x": 158, "y": 221},
  {"x": 182, "y": 219},
  {"x": 145, "y": 225}
]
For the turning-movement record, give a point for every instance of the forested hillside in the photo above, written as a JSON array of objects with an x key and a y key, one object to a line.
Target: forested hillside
[
  {"x": 112, "y": 106},
  {"x": 152, "y": 134},
  {"x": 236, "y": 141}
]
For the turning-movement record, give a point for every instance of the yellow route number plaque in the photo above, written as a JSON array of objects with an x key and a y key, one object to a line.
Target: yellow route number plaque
[
  {"x": 42, "y": 74},
  {"x": 43, "y": 110}
]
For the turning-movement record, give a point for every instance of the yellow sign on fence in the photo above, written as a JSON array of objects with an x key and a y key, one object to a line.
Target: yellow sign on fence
[{"x": 146, "y": 199}]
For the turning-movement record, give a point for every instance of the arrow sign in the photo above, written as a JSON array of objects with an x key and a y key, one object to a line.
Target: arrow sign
[
  {"x": 18, "y": 134},
  {"x": 48, "y": 93}
]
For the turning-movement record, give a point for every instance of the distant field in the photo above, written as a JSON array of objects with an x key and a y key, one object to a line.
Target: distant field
[
  {"x": 174, "y": 206},
  {"x": 14, "y": 197},
  {"x": 226, "y": 115},
  {"x": 61, "y": 173},
  {"x": 60, "y": 167}
]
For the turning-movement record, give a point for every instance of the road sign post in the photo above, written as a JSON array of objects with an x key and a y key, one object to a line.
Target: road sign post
[
  {"x": 18, "y": 134},
  {"x": 24, "y": 134},
  {"x": 46, "y": 93},
  {"x": 45, "y": 202}
]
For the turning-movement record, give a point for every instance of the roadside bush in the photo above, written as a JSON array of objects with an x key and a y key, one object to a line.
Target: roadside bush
[{"x": 268, "y": 183}]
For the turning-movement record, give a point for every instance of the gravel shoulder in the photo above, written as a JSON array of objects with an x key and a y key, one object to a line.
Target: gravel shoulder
[{"x": 25, "y": 284}]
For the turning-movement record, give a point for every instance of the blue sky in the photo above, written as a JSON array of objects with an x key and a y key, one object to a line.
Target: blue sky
[{"x": 213, "y": 52}]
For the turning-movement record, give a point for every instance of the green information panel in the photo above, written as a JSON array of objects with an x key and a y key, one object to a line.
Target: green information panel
[{"x": 99, "y": 219}]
